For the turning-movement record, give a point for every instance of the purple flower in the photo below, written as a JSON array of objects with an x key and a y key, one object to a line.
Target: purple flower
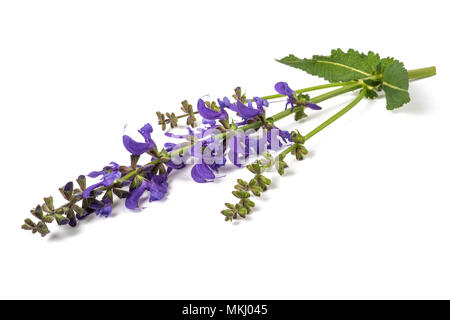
[
  {"x": 273, "y": 136},
  {"x": 202, "y": 173},
  {"x": 157, "y": 185},
  {"x": 284, "y": 89},
  {"x": 225, "y": 103},
  {"x": 132, "y": 201},
  {"x": 247, "y": 112},
  {"x": 102, "y": 208},
  {"x": 208, "y": 162},
  {"x": 169, "y": 146},
  {"x": 109, "y": 174},
  {"x": 261, "y": 102},
  {"x": 138, "y": 148},
  {"x": 210, "y": 115}
]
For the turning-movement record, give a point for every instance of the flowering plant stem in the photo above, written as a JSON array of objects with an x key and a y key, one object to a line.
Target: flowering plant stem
[
  {"x": 345, "y": 88},
  {"x": 345, "y": 71}
]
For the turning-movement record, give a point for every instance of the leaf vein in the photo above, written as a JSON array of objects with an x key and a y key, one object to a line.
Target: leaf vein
[{"x": 344, "y": 66}]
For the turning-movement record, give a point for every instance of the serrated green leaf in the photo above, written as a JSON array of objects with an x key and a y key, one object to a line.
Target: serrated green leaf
[
  {"x": 339, "y": 66},
  {"x": 395, "y": 83}
]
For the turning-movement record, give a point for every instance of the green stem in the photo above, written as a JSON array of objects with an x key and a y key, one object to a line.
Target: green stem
[
  {"x": 421, "y": 73},
  {"x": 337, "y": 115}
]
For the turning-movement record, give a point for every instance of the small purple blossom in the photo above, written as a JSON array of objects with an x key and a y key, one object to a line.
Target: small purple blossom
[
  {"x": 138, "y": 148},
  {"x": 209, "y": 160},
  {"x": 210, "y": 115},
  {"x": 225, "y": 103},
  {"x": 157, "y": 186},
  {"x": 284, "y": 89},
  {"x": 247, "y": 112},
  {"x": 109, "y": 174},
  {"x": 274, "y": 135},
  {"x": 103, "y": 208}
]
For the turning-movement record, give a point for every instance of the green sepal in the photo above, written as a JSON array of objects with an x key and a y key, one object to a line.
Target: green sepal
[
  {"x": 254, "y": 168},
  {"x": 247, "y": 203},
  {"x": 49, "y": 203},
  {"x": 45, "y": 208},
  {"x": 61, "y": 220},
  {"x": 41, "y": 227},
  {"x": 300, "y": 114},
  {"x": 134, "y": 161},
  {"x": 228, "y": 212},
  {"x": 80, "y": 211},
  {"x": 27, "y": 227},
  {"x": 241, "y": 211},
  {"x": 72, "y": 218},
  {"x": 371, "y": 94},
  {"x": 81, "y": 180},
  {"x": 161, "y": 120},
  {"x": 48, "y": 219},
  {"x": 281, "y": 165},
  {"x": 296, "y": 137},
  {"x": 229, "y": 206},
  {"x": 137, "y": 181},
  {"x": 256, "y": 190},
  {"x": 67, "y": 191},
  {"x": 121, "y": 194},
  {"x": 241, "y": 194},
  {"x": 38, "y": 212},
  {"x": 264, "y": 179},
  {"x": 30, "y": 222}
]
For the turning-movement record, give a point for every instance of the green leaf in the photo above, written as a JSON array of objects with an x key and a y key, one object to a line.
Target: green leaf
[
  {"x": 339, "y": 66},
  {"x": 395, "y": 83}
]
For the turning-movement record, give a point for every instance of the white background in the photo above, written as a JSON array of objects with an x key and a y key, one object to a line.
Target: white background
[{"x": 364, "y": 216}]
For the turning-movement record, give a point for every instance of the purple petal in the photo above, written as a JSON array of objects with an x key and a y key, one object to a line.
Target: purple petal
[
  {"x": 169, "y": 146},
  {"x": 136, "y": 148},
  {"x": 283, "y": 88},
  {"x": 158, "y": 187},
  {"x": 208, "y": 113},
  {"x": 285, "y": 136},
  {"x": 94, "y": 174},
  {"x": 260, "y": 102},
  {"x": 114, "y": 166},
  {"x": 313, "y": 106},
  {"x": 174, "y": 135},
  {"x": 106, "y": 209},
  {"x": 247, "y": 112},
  {"x": 225, "y": 103},
  {"x": 132, "y": 201},
  {"x": 145, "y": 131},
  {"x": 178, "y": 166},
  {"x": 88, "y": 190},
  {"x": 201, "y": 173},
  {"x": 109, "y": 178},
  {"x": 210, "y": 122}
]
